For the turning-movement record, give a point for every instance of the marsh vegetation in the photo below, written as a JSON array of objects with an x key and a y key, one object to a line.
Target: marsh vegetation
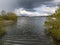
[
  {"x": 53, "y": 25},
  {"x": 5, "y": 20}
]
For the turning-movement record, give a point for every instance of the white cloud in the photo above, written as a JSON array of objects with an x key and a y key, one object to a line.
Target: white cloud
[
  {"x": 46, "y": 9},
  {"x": 56, "y": 1},
  {"x": 21, "y": 11},
  {"x": 40, "y": 11}
]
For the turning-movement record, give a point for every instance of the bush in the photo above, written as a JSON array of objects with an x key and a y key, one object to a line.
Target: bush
[
  {"x": 10, "y": 16},
  {"x": 54, "y": 23}
]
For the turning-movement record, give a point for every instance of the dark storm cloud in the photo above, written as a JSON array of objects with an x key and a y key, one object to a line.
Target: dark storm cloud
[
  {"x": 29, "y": 4},
  {"x": 10, "y": 5}
]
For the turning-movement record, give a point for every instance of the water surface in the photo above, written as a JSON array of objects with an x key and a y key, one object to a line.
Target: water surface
[{"x": 27, "y": 31}]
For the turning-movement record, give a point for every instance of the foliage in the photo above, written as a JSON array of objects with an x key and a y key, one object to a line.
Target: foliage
[
  {"x": 1, "y": 18},
  {"x": 53, "y": 23},
  {"x": 4, "y": 20},
  {"x": 2, "y": 30},
  {"x": 10, "y": 16}
]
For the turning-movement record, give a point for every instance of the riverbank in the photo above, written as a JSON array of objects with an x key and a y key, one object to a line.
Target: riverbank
[
  {"x": 6, "y": 22},
  {"x": 3, "y": 25}
]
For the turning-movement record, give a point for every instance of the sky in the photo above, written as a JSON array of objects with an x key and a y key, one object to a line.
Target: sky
[{"x": 30, "y": 7}]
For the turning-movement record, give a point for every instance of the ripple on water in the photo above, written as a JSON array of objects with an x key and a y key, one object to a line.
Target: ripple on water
[{"x": 27, "y": 31}]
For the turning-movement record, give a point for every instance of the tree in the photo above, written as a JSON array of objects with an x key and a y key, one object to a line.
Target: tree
[{"x": 3, "y": 13}]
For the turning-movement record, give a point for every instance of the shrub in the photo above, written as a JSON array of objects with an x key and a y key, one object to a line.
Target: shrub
[
  {"x": 54, "y": 22},
  {"x": 11, "y": 16}
]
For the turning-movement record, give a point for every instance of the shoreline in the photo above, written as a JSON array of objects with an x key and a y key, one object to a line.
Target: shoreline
[
  {"x": 3, "y": 25},
  {"x": 6, "y": 22}
]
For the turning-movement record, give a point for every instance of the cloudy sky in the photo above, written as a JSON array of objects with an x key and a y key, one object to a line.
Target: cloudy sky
[{"x": 30, "y": 7}]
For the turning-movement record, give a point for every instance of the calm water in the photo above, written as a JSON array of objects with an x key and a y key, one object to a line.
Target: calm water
[{"x": 27, "y": 31}]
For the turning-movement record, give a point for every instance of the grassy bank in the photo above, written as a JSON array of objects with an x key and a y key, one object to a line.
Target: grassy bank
[
  {"x": 2, "y": 31},
  {"x": 5, "y": 20}
]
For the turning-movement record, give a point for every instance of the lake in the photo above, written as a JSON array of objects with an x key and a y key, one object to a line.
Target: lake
[{"x": 26, "y": 31}]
